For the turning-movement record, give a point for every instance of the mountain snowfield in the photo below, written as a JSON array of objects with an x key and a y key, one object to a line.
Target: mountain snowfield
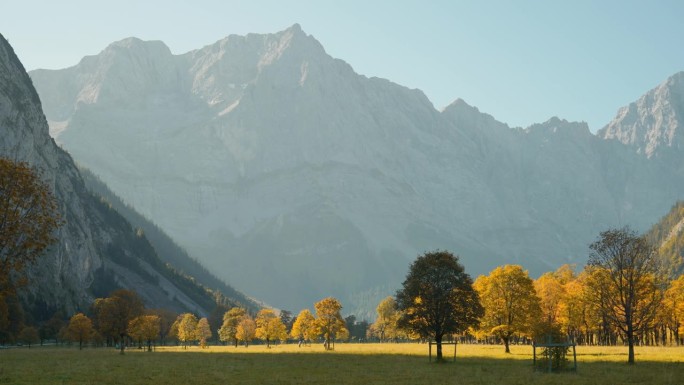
[{"x": 294, "y": 178}]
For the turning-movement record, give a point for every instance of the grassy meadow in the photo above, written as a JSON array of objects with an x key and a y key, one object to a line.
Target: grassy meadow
[{"x": 348, "y": 364}]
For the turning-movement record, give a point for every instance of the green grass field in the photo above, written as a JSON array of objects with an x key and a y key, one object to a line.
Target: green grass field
[{"x": 348, "y": 364}]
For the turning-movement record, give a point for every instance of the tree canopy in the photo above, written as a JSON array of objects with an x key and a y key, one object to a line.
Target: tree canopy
[
  {"x": 114, "y": 313},
  {"x": 231, "y": 320},
  {"x": 386, "y": 326},
  {"x": 246, "y": 329},
  {"x": 510, "y": 301},
  {"x": 329, "y": 320},
  {"x": 80, "y": 329},
  {"x": 145, "y": 328},
  {"x": 29, "y": 216},
  {"x": 304, "y": 327},
  {"x": 269, "y": 327},
  {"x": 627, "y": 284},
  {"x": 438, "y": 298}
]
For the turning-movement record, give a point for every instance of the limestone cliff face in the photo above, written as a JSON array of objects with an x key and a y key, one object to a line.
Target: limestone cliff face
[
  {"x": 96, "y": 250},
  {"x": 652, "y": 125}
]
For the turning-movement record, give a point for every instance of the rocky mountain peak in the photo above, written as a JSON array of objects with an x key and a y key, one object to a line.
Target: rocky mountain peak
[
  {"x": 558, "y": 126},
  {"x": 653, "y": 124}
]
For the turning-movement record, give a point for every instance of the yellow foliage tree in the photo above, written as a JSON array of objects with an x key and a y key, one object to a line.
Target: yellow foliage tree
[
  {"x": 329, "y": 320},
  {"x": 386, "y": 325},
  {"x": 145, "y": 328},
  {"x": 673, "y": 306},
  {"x": 304, "y": 327},
  {"x": 203, "y": 332},
  {"x": 269, "y": 327},
  {"x": 246, "y": 330},
  {"x": 510, "y": 302},
  {"x": 187, "y": 328},
  {"x": 231, "y": 319},
  {"x": 80, "y": 329},
  {"x": 551, "y": 293}
]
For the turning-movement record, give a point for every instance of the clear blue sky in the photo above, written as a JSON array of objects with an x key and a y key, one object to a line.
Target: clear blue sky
[{"x": 521, "y": 61}]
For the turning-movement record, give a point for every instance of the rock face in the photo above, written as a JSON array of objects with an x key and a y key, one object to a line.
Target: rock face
[
  {"x": 652, "y": 125},
  {"x": 97, "y": 249},
  {"x": 295, "y": 178}
]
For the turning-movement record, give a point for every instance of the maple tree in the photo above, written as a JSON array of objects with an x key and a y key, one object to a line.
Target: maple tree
[
  {"x": 438, "y": 298},
  {"x": 329, "y": 320},
  {"x": 80, "y": 329},
  {"x": 510, "y": 302},
  {"x": 231, "y": 320}
]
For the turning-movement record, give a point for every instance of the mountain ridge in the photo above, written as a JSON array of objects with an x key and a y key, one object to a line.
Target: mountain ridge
[{"x": 292, "y": 167}]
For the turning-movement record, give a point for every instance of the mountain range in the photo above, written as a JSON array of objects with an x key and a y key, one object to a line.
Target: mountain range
[
  {"x": 97, "y": 250},
  {"x": 293, "y": 178}
]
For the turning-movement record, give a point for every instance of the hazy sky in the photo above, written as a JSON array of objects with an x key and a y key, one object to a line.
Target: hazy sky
[{"x": 520, "y": 61}]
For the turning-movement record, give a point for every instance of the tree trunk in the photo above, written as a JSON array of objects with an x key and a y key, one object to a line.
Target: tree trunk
[
  {"x": 506, "y": 344},
  {"x": 630, "y": 342},
  {"x": 438, "y": 340},
  {"x": 122, "y": 344}
]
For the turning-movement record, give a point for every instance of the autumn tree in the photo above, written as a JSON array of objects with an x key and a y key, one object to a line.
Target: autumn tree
[
  {"x": 166, "y": 320},
  {"x": 29, "y": 216},
  {"x": 115, "y": 312},
  {"x": 386, "y": 326},
  {"x": 577, "y": 316},
  {"x": 629, "y": 291},
  {"x": 510, "y": 302},
  {"x": 29, "y": 336},
  {"x": 186, "y": 328},
  {"x": 438, "y": 298},
  {"x": 329, "y": 320},
  {"x": 203, "y": 332},
  {"x": 246, "y": 330},
  {"x": 80, "y": 329},
  {"x": 231, "y": 320},
  {"x": 673, "y": 307},
  {"x": 51, "y": 327},
  {"x": 269, "y": 327},
  {"x": 551, "y": 293},
  {"x": 145, "y": 328},
  {"x": 304, "y": 327}
]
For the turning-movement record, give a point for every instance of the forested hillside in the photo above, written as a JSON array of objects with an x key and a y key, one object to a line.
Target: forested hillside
[
  {"x": 668, "y": 236},
  {"x": 186, "y": 269}
]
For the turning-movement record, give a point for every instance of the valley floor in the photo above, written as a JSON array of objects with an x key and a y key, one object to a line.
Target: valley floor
[{"x": 348, "y": 364}]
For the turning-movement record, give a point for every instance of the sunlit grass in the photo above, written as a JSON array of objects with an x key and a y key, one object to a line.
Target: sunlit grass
[{"x": 348, "y": 364}]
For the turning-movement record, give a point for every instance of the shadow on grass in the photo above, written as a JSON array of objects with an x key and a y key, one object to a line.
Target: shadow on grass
[{"x": 104, "y": 366}]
